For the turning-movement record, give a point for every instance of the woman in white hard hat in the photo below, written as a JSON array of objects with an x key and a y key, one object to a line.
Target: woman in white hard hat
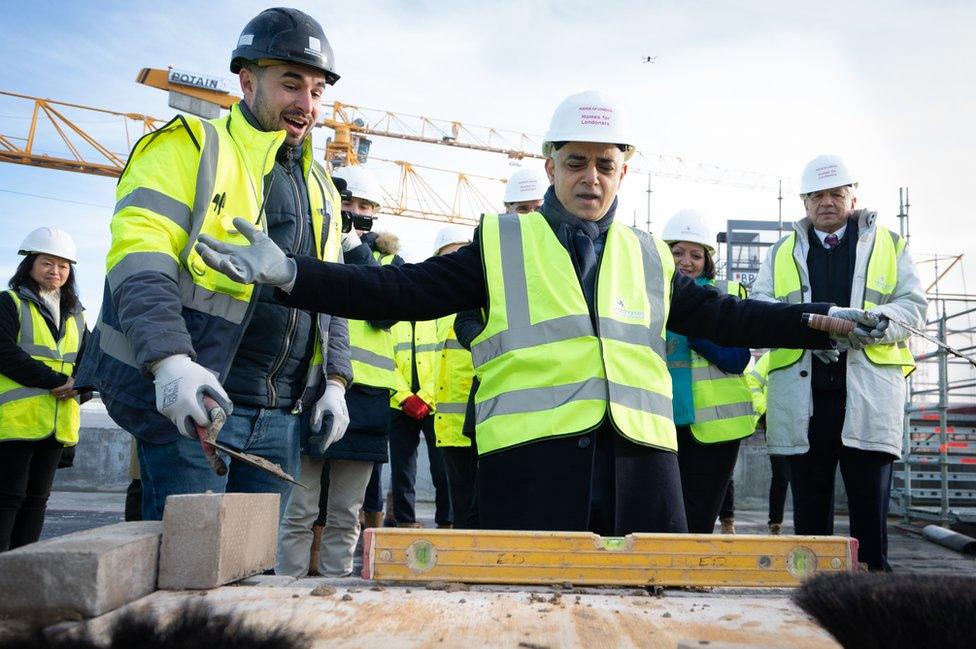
[
  {"x": 42, "y": 334},
  {"x": 712, "y": 402}
]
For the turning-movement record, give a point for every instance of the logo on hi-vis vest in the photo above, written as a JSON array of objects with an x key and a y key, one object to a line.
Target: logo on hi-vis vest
[{"x": 621, "y": 310}]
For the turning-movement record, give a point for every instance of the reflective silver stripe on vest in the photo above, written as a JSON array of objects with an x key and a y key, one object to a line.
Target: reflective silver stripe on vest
[
  {"x": 630, "y": 333},
  {"x": 140, "y": 262},
  {"x": 727, "y": 411},
  {"x": 452, "y": 343},
  {"x": 540, "y": 399},
  {"x": 206, "y": 177},
  {"x": 654, "y": 285},
  {"x": 426, "y": 347},
  {"x": 70, "y": 357},
  {"x": 22, "y": 393},
  {"x": 877, "y": 297},
  {"x": 370, "y": 358},
  {"x": 115, "y": 344},
  {"x": 199, "y": 298},
  {"x": 541, "y": 333},
  {"x": 640, "y": 399},
  {"x": 709, "y": 372},
  {"x": 451, "y": 408},
  {"x": 158, "y": 203},
  {"x": 27, "y": 335}
]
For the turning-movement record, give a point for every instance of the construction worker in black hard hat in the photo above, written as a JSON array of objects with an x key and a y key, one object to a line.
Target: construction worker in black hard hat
[{"x": 172, "y": 331}]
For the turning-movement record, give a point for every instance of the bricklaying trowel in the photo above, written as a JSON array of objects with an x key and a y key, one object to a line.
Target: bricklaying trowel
[{"x": 210, "y": 445}]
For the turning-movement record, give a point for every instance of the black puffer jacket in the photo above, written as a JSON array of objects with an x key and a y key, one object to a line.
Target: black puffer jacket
[{"x": 271, "y": 363}]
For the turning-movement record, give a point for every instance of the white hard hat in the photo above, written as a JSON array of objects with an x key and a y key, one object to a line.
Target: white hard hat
[
  {"x": 825, "y": 172},
  {"x": 450, "y": 234},
  {"x": 526, "y": 185},
  {"x": 590, "y": 116},
  {"x": 689, "y": 225},
  {"x": 361, "y": 183},
  {"x": 50, "y": 241}
]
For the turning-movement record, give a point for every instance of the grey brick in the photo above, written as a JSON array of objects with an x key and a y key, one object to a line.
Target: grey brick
[
  {"x": 83, "y": 574},
  {"x": 213, "y": 539}
]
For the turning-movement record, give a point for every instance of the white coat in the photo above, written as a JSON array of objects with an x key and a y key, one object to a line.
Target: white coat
[{"x": 874, "y": 418}]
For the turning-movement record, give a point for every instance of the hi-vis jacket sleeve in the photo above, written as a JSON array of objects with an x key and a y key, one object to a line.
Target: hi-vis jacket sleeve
[{"x": 150, "y": 228}]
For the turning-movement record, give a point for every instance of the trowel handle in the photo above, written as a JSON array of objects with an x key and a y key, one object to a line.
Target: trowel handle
[
  {"x": 830, "y": 324},
  {"x": 217, "y": 419}
]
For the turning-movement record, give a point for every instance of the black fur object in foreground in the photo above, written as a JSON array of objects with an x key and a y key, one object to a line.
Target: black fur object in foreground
[
  {"x": 194, "y": 626},
  {"x": 879, "y": 610}
]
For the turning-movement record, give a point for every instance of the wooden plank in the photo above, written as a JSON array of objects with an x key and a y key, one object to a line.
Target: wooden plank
[{"x": 582, "y": 558}]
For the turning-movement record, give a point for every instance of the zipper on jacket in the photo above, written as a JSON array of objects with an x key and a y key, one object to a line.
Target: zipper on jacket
[{"x": 299, "y": 247}]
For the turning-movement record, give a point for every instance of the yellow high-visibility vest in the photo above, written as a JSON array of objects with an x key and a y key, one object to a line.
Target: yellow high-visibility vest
[
  {"x": 416, "y": 342},
  {"x": 723, "y": 402},
  {"x": 34, "y": 413},
  {"x": 545, "y": 370},
  {"x": 882, "y": 278},
  {"x": 371, "y": 350},
  {"x": 453, "y": 386}
]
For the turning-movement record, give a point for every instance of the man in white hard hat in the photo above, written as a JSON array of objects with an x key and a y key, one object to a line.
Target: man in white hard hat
[
  {"x": 320, "y": 527},
  {"x": 171, "y": 332},
  {"x": 525, "y": 189},
  {"x": 844, "y": 405},
  {"x": 574, "y": 428}
]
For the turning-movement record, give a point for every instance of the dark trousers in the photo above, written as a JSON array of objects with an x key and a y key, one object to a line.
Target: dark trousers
[
  {"x": 867, "y": 481},
  {"x": 26, "y": 475},
  {"x": 566, "y": 484},
  {"x": 727, "y": 510},
  {"x": 706, "y": 470},
  {"x": 374, "y": 491},
  {"x": 777, "y": 487},
  {"x": 405, "y": 435},
  {"x": 462, "y": 467}
]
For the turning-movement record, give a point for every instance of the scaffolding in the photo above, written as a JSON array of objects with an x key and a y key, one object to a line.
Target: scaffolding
[{"x": 936, "y": 478}]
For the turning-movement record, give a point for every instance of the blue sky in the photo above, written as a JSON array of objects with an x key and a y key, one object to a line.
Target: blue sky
[{"x": 748, "y": 85}]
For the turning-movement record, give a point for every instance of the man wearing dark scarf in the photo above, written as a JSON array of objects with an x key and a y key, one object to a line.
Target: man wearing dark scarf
[{"x": 596, "y": 478}]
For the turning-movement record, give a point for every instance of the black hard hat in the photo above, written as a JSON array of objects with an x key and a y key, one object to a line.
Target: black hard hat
[{"x": 288, "y": 35}]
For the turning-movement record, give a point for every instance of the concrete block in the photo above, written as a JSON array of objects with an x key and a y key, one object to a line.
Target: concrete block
[
  {"x": 213, "y": 539},
  {"x": 82, "y": 574}
]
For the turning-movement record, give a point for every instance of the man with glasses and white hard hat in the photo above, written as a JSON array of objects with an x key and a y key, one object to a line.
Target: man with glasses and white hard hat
[
  {"x": 574, "y": 428},
  {"x": 844, "y": 405}
]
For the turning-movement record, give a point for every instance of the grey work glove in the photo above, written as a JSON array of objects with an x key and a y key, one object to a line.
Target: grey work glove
[
  {"x": 869, "y": 330},
  {"x": 827, "y": 356},
  {"x": 262, "y": 262},
  {"x": 180, "y": 387},
  {"x": 350, "y": 240}
]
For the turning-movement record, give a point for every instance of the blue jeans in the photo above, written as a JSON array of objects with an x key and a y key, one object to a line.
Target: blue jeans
[{"x": 180, "y": 467}]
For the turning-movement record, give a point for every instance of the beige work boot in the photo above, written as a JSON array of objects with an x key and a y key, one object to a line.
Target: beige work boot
[
  {"x": 775, "y": 528},
  {"x": 373, "y": 519},
  {"x": 313, "y": 554},
  {"x": 728, "y": 526}
]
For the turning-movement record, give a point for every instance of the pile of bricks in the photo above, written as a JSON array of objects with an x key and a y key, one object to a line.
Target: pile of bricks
[{"x": 204, "y": 541}]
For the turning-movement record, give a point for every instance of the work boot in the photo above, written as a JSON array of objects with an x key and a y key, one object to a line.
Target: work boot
[
  {"x": 374, "y": 519},
  {"x": 313, "y": 554},
  {"x": 728, "y": 526},
  {"x": 775, "y": 528},
  {"x": 389, "y": 520},
  {"x": 445, "y": 526}
]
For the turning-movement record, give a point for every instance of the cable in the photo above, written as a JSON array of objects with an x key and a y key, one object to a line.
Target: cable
[{"x": 54, "y": 198}]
